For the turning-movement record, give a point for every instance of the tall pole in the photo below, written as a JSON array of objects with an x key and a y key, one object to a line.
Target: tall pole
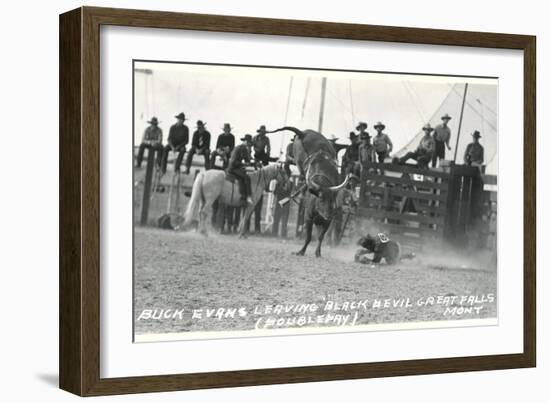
[
  {"x": 460, "y": 121},
  {"x": 322, "y": 111},
  {"x": 351, "y": 104}
]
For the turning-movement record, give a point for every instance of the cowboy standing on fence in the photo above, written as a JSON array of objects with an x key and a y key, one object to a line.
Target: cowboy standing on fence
[
  {"x": 224, "y": 146},
  {"x": 424, "y": 152},
  {"x": 366, "y": 153},
  {"x": 178, "y": 137},
  {"x": 262, "y": 146},
  {"x": 199, "y": 145},
  {"x": 240, "y": 157},
  {"x": 382, "y": 142},
  {"x": 351, "y": 156},
  {"x": 152, "y": 139},
  {"x": 283, "y": 190},
  {"x": 289, "y": 157},
  {"x": 442, "y": 137},
  {"x": 474, "y": 155}
]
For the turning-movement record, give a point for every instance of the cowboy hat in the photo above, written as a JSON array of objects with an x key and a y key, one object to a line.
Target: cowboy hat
[
  {"x": 180, "y": 115},
  {"x": 227, "y": 126},
  {"x": 365, "y": 135},
  {"x": 476, "y": 134},
  {"x": 262, "y": 129},
  {"x": 427, "y": 127},
  {"x": 352, "y": 135},
  {"x": 201, "y": 123},
  {"x": 247, "y": 138},
  {"x": 153, "y": 121},
  {"x": 333, "y": 138},
  {"x": 380, "y": 124},
  {"x": 360, "y": 125},
  {"x": 446, "y": 116}
]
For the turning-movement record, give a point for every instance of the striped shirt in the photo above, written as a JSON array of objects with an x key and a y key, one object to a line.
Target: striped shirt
[
  {"x": 442, "y": 133},
  {"x": 382, "y": 143}
]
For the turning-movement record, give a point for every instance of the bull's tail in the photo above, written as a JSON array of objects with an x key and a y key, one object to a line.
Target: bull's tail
[
  {"x": 197, "y": 197},
  {"x": 296, "y": 131}
]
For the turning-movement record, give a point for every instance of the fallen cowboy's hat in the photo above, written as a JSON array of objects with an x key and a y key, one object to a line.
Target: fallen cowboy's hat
[
  {"x": 446, "y": 116},
  {"x": 261, "y": 129},
  {"x": 227, "y": 126},
  {"x": 427, "y": 127},
  {"x": 360, "y": 125},
  {"x": 476, "y": 134},
  {"x": 380, "y": 124},
  {"x": 180, "y": 115},
  {"x": 333, "y": 138},
  {"x": 247, "y": 137},
  {"x": 200, "y": 123},
  {"x": 153, "y": 121}
]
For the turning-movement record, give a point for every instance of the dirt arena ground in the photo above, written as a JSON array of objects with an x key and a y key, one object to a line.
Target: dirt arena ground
[{"x": 175, "y": 270}]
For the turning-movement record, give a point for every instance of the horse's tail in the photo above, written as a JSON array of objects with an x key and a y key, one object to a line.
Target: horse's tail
[{"x": 197, "y": 197}]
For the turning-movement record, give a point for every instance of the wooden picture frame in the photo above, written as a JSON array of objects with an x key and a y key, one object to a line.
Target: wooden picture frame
[{"x": 79, "y": 348}]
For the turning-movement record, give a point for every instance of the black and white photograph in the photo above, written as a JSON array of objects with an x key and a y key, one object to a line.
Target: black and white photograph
[{"x": 270, "y": 200}]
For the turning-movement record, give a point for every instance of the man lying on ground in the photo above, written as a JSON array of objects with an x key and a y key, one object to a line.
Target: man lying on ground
[{"x": 381, "y": 247}]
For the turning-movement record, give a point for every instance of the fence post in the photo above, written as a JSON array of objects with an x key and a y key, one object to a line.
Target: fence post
[{"x": 147, "y": 185}]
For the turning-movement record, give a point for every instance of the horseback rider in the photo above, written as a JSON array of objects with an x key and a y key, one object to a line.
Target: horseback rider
[{"x": 240, "y": 158}]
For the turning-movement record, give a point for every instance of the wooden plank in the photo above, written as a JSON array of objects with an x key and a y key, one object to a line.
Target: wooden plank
[
  {"x": 410, "y": 169},
  {"x": 394, "y": 215},
  {"x": 407, "y": 193},
  {"x": 408, "y": 181},
  {"x": 489, "y": 179},
  {"x": 420, "y": 205},
  {"x": 375, "y": 198},
  {"x": 420, "y": 232}
]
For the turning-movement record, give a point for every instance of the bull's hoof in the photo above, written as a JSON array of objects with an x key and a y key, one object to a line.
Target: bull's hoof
[
  {"x": 317, "y": 254},
  {"x": 300, "y": 253}
]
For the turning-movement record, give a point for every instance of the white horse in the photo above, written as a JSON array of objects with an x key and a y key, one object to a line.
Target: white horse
[{"x": 212, "y": 185}]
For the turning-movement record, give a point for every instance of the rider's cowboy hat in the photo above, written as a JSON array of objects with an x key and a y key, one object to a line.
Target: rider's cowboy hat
[
  {"x": 180, "y": 115},
  {"x": 153, "y": 121},
  {"x": 428, "y": 127},
  {"x": 446, "y": 116},
  {"x": 380, "y": 124}
]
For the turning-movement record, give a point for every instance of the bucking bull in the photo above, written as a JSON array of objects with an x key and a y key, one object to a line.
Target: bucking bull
[{"x": 315, "y": 158}]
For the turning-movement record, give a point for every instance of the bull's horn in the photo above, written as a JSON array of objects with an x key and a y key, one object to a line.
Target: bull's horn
[
  {"x": 309, "y": 182},
  {"x": 341, "y": 186}
]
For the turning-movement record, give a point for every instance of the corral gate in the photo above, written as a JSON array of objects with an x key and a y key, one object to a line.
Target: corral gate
[{"x": 413, "y": 203}]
